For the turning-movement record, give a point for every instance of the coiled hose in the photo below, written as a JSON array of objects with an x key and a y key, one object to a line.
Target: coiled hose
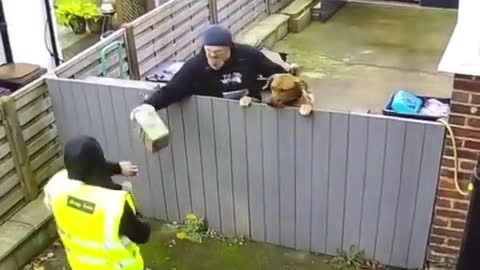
[{"x": 455, "y": 160}]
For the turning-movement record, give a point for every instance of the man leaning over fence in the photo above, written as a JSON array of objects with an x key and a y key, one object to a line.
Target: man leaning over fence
[
  {"x": 96, "y": 219},
  {"x": 224, "y": 69}
]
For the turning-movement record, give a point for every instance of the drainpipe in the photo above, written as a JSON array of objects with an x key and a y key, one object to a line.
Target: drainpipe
[
  {"x": 51, "y": 29},
  {"x": 469, "y": 258},
  {"x": 7, "y": 49}
]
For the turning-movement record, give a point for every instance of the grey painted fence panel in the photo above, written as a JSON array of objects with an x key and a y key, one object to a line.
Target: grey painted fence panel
[
  {"x": 286, "y": 155},
  {"x": 209, "y": 161},
  {"x": 303, "y": 180},
  {"x": 317, "y": 183},
  {"x": 192, "y": 144},
  {"x": 239, "y": 170},
  {"x": 357, "y": 149},
  {"x": 412, "y": 158},
  {"x": 271, "y": 174},
  {"x": 377, "y": 130},
  {"x": 253, "y": 120},
  {"x": 168, "y": 176},
  {"x": 320, "y": 183},
  {"x": 337, "y": 177},
  {"x": 224, "y": 165},
  {"x": 430, "y": 159},
  {"x": 180, "y": 160},
  {"x": 390, "y": 190}
]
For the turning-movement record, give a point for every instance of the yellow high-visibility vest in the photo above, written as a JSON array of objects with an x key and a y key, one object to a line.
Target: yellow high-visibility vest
[{"x": 88, "y": 220}]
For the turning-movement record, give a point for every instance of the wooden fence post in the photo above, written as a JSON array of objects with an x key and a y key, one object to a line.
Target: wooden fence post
[
  {"x": 130, "y": 46},
  {"x": 18, "y": 147},
  {"x": 212, "y": 6},
  {"x": 268, "y": 7}
]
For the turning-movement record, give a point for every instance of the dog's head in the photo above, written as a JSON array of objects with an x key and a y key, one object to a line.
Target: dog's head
[{"x": 285, "y": 89}]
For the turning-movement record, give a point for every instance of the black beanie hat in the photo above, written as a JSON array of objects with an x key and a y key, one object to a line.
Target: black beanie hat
[{"x": 216, "y": 35}]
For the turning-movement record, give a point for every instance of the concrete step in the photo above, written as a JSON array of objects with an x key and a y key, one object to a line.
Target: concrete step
[
  {"x": 25, "y": 235},
  {"x": 300, "y": 13},
  {"x": 265, "y": 33}
]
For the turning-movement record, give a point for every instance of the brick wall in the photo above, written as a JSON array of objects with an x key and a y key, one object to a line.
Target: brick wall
[{"x": 451, "y": 207}]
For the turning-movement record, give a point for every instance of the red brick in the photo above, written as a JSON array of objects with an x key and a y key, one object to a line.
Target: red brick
[
  {"x": 448, "y": 233},
  {"x": 466, "y": 132},
  {"x": 449, "y": 173},
  {"x": 467, "y": 165},
  {"x": 462, "y": 153},
  {"x": 475, "y": 99},
  {"x": 454, "y": 243},
  {"x": 446, "y": 250},
  {"x": 440, "y": 222},
  {"x": 472, "y": 144},
  {"x": 447, "y": 162},
  {"x": 466, "y": 109},
  {"x": 451, "y": 213},
  {"x": 461, "y": 205},
  {"x": 443, "y": 203},
  {"x": 457, "y": 224},
  {"x": 434, "y": 239},
  {"x": 458, "y": 142},
  {"x": 473, "y": 122},
  {"x": 460, "y": 97},
  {"x": 465, "y": 84},
  {"x": 453, "y": 194},
  {"x": 447, "y": 183},
  {"x": 456, "y": 119}
]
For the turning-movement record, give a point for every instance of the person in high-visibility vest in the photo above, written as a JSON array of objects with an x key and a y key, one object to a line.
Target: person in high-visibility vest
[{"x": 96, "y": 219}]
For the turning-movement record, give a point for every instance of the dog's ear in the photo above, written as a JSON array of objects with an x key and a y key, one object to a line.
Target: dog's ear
[
  {"x": 269, "y": 82},
  {"x": 302, "y": 84}
]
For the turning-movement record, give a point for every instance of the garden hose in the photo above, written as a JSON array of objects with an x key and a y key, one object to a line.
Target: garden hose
[{"x": 455, "y": 161}]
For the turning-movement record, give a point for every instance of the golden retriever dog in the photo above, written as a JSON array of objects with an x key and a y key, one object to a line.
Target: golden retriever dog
[{"x": 289, "y": 90}]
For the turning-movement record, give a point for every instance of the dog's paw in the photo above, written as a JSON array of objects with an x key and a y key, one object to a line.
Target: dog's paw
[
  {"x": 305, "y": 110},
  {"x": 246, "y": 101}
]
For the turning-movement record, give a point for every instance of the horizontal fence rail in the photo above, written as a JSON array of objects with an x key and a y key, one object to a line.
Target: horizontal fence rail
[
  {"x": 317, "y": 183},
  {"x": 170, "y": 32},
  {"x": 239, "y": 14},
  {"x": 88, "y": 62}
]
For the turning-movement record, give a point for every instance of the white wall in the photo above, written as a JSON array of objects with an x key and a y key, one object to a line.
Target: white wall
[{"x": 26, "y": 21}]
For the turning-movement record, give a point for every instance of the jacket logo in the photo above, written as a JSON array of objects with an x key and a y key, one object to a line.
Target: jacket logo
[
  {"x": 234, "y": 77},
  {"x": 81, "y": 205}
]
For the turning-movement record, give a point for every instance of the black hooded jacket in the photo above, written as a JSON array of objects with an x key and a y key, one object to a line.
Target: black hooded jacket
[
  {"x": 85, "y": 161},
  {"x": 196, "y": 77}
]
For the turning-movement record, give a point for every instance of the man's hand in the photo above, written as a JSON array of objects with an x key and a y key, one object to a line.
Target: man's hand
[
  {"x": 143, "y": 107},
  {"x": 128, "y": 169}
]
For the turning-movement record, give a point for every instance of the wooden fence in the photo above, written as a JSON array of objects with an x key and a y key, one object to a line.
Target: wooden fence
[
  {"x": 88, "y": 62},
  {"x": 314, "y": 183},
  {"x": 239, "y": 14},
  {"x": 29, "y": 147},
  {"x": 169, "y": 32},
  {"x": 173, "y": 30}
]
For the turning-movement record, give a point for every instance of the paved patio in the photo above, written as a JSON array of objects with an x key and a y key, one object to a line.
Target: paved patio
[{"x": 365, "y": 52}]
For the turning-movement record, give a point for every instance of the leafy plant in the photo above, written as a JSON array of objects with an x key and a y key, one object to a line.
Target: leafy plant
[
  {"x": 353, "y": 259},
  {"x": 193, "y": 229},
  {"x": 68, "y": 10}
]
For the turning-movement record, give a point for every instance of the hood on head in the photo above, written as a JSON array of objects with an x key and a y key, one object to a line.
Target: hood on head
[{"x": 84, "y": 160}]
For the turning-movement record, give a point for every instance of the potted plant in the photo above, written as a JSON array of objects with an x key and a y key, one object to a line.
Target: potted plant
[
  {"x": 76, "y": 13},
  {"x": 93, "y": 16}
]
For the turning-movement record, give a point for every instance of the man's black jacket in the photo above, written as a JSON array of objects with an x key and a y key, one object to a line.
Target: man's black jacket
[{"x": 196, "y": 77}]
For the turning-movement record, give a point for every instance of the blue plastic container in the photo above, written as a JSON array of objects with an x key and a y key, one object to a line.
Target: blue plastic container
[{"x": 406, "y": 102}]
